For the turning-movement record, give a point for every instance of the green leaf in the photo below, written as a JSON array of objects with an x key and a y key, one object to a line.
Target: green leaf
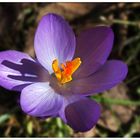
[
  {"x": 124, "y": 102},
  {"x": 30, "y": 127},
  {"x": 4, "y": 118}
]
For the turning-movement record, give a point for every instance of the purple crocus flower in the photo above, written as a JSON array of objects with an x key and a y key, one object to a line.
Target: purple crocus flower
[{"x": 66, "y": 71}]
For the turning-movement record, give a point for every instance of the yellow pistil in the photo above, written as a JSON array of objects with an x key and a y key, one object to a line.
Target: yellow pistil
[{"x": 65, "y": 75}]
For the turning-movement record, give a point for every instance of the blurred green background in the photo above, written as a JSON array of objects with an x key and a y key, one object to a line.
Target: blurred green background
[{"x": 120, "y": 105}]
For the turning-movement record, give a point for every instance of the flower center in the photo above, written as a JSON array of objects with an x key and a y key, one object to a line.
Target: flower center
[{"x": 64, "y": 74}]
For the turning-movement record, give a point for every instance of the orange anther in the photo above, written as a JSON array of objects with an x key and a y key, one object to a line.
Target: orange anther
[{"x": 65, "y": 75}]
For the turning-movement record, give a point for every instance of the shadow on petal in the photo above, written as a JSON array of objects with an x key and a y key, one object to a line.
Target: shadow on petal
[{"x": 29, "y": 71}]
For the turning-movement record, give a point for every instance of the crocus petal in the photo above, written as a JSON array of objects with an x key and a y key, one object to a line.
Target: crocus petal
[
  {"x": 66, "y": 101},
  {"x": 110, "y": 74},
  {"x": 18, "y": 69},
  {"x": 82, "y": 115},
  {"x": 40, "y": 100},
  {"x": 93, "y": 47},
  {"x": 54, "y": 39}
]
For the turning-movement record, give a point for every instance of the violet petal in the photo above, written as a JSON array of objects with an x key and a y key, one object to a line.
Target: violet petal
[
  {"x": 66, "y": 101},
  {"x": 40, "y": 100},
  {"x": 93, "y": 47},
  {"x": 18, "y": 70},
  {"x": 112, "y": 73},
  {"x": 83, "y": 114},
  {"x": 54, "y": 39}
]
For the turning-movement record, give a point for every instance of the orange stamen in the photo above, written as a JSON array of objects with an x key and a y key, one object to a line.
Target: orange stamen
[{"x": 68, "y": 69}]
